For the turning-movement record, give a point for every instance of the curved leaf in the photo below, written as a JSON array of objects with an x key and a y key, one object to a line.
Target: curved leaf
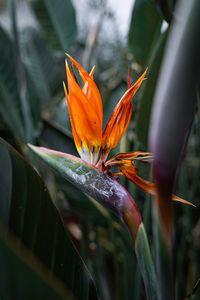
[
  {"x": 176, "y": 98},
  {"x": 173, "y": 113},
  {"x": 27, "y": 277},
  {"x": 58, "y": 21},
  {"x": 28, "y": 212},
  {"x": 9, "y": 94},
  {"x": 146, "y": 97},
  {"x": 40, "y": 64},
  {"x": 88, "y": 179},
  {"x": 144, "y": 29},
  {"x": 20, "y": 74},
  {"x": 55, "y": 136},
  {"x": 143, "y": 254}
]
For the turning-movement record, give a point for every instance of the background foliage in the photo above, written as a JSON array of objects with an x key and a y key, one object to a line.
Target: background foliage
[{"x": 55, "y": 241}]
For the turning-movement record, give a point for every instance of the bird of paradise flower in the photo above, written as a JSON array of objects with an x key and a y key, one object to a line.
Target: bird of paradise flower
[
  {"x": 93, "y": 173},
  {"x": 86, "y": 117}
]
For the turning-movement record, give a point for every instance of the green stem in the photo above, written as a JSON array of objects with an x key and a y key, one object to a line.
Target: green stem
[
  {"x": 145, "y": 262},
  {"x": 142, "y": 250}
]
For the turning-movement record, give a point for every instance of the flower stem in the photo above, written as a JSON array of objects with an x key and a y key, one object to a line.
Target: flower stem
[
  {"x": 145, "y": 262},
  {"x": 142, "y": 249}
]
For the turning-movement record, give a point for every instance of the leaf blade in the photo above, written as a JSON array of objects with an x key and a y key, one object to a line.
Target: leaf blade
[
  {"x": 44, "y": 237},
  {"x": 144, "y": 29}
]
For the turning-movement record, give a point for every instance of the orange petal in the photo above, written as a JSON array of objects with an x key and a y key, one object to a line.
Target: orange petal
[
  {"x": 86, "y": 88},
  {"x": 119, "y": 119},
  {"x": 147, "y": 186},
  {"x": 93, "y": 94},
  {"x": 85, "y": 121}
]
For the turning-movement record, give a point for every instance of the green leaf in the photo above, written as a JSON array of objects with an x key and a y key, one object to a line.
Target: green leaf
[
  {"x": 40, "y": 65},
  {"x": 112, "y": 101},
  {"x": 21, "y": 74},
  {"x": 54, "y": 136},
  {"x": 166, "y": 8},
  {"x": 146, "y": 263},
  {"x": 58, "y": 22},
  {"x": 27, "y": 277},
  {"x": 10, "y": 109},
  {"x": 144, "y": 29},
  {"x": 27, "y": 211},
  {"x": 146, "y": 97},
  {"x": 61, "y": 117}
]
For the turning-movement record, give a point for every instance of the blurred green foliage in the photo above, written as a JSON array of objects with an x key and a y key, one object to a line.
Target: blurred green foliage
[{"x": 65, "y": 245}]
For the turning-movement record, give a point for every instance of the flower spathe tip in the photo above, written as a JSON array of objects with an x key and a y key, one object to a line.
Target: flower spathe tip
[{"x": 80, "y": 100}]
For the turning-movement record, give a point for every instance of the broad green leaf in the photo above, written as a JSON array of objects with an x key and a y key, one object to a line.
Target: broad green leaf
[
  {"x": 58, "y": 22},
  {"x": 23, "y": 277},
  {"x": 11, "y": 109},
  {"x": 28, "y": 212},
  {"x": 9, "y": 95},
  {"x": 20, "y": 74},
  {"x": 146, "y": 97},
  {"x": 144, "y": 30},
  {"x": 41, "y": 65}
]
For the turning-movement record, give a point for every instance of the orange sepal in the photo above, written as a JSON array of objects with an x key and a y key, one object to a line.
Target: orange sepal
[
  {"x": 130, "y": 171},
  {"x": 120, "y": 118},
  {"x": 86, "y": 88},
  {"x": 85, "y": 121},
  {"x": 92, "y": 91},
  {"x": 129, "y": 156},
  {"x": 75, "y": 134}
]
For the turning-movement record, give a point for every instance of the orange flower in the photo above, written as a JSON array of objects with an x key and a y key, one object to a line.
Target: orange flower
[
  {"x": 86, "y": 117},
  {"x": 86, "y": 113}
]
